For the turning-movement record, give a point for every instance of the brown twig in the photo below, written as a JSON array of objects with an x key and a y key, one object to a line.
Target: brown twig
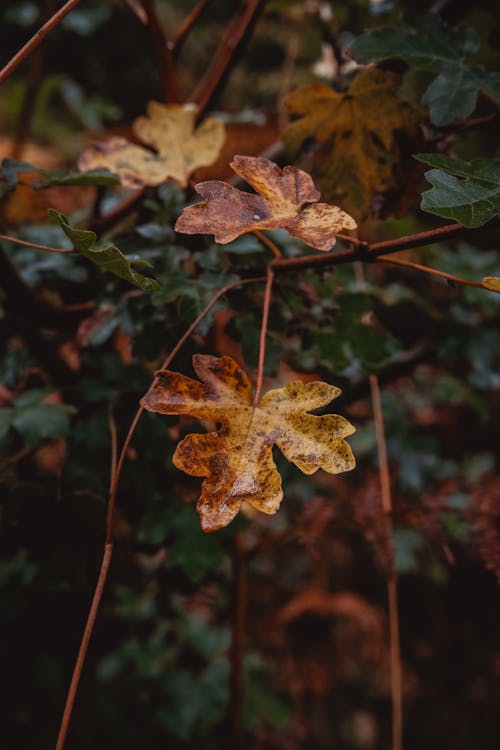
[
  {"x": 268, "y": 243},
  {"x": 186, "y": 27},
  {"x": 366, "y": 252},
  {"x": 432, "y": 271},
  {"x": 231, "y": 43},
  {"x": 47, "y": 248},
  {"x": 263, "y": 333},
  {"x": 163, "y": 52},
  {"x": 238, "y": 641},
  {"x": 35, "y": 40},
  {"x": 392, "y": 595},
  {"x": 82, "y": 651},
  {"x": 108, "y": 546}
]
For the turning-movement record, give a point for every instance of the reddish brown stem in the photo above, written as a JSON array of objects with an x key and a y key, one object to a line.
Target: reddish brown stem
[
  {"x": 186, "y": 27},
  {"x": 47, "y": 248},
  {"x": 82, "y": 651},
  {"x": 163, "y": 52},
  {"x": 268, "y": 243},
  {"x": 225, "y": 56},
  {"x": 36, "y": 39},
  {"x": 432, "y": 271},
  {"x": 108, "y": 547},
  {"x": 263, "y": 333},
  {"x": 392, "y": 596},
  {"x": 238, "y": 641},
  {"x": 366, "y": 252}
]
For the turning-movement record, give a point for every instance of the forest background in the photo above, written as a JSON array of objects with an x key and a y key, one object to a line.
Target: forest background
[{"x": 281, "y": 631}]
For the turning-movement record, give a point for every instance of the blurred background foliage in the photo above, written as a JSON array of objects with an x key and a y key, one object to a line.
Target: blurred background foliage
[{"x": 316, "y": 664}]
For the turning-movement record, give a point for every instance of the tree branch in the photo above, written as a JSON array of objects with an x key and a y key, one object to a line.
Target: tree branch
[
  {"x": 432, "y": 271},
  {"x": 186, "y": 27},
  {"x": 231, "y": 43},
  {"x": 36, "y": 39},
  {"x": 163, "y": 52}
]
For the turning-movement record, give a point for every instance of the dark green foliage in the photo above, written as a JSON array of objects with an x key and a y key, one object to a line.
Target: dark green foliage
[{"x": 428, "y": 44}]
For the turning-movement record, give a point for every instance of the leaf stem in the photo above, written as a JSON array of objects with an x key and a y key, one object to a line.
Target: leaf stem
[
  {"x": 238, "y": 641},
  {"x": 392, "y": 596},
  {"x": 268, "y": 243},
  {"x": 263, "y": 333},
  {"x": 108, "y": 546},
  {"x": 186, "y": 27},
  {"x": 47, "y": 248},
  {"x": 432, "y": 271},
  {"x": 35, "y": 40}
]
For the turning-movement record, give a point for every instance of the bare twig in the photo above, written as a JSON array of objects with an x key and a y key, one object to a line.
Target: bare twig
[
  {"x": 268, "y": 243},
  {"x": 225, "y": 56},
  {"x": 82, "y": 651},
  {"x": 263, "y": 333},
  {"x": 108, "y": 546},
  {"x": 392, "y": 596},
  {"x": 238, "y": 641},
  {"x": 163, "y": 52},
  {"x": 36, "y": 39},
  {"x": 186, "y": 27},
  {"x": 432, "y": 271}
]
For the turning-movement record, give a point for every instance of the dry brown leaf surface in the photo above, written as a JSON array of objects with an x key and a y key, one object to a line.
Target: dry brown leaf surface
[
  {"x": 179, "y": 148},
  {"x": 357, "y": 140},
  {"x": 237, "y": 460},
  {"x": 285, "y": 199}
]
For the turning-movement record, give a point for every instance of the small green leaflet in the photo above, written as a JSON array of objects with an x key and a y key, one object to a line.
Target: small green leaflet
[
  {"x": 10, "y": 170},
  {"x": 433, "y": 46},
  {"x": 466, "y": 191},
  {"x": 107, "y": 256},
  {"x": 34, "y": 419}
]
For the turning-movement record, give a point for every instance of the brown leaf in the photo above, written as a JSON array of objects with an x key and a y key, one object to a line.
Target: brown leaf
[
  {"x": 286, "y": 198},
  {"x": 237, "y": 459},
  {"x": 357, "y": 141},
  {"x": 170, "y": 130}
]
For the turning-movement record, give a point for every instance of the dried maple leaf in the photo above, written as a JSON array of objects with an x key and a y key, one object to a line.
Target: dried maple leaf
[
  {"x": 170, "y": 130},
  {"x": 356, "y": 140},
  {"x": 286, "y": 198},
  {"x": 237, "y": 459}
]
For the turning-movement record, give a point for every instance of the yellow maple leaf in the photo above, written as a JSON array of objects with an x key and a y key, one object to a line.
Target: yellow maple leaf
[
  {"x": 237, "y": 459},
  {"x": 179, "y": 147},
  {"x": 354, "y": 139},
  {"x": 286, "y": 198}
]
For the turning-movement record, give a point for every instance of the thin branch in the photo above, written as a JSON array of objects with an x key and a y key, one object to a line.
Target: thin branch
[
  {"x": 163, "y": 52},
  {"x": 113, "y": 435},
  {"x": 186, "y": 27},
  {"x": 108, "y": 546},
  {"x": 82, "y": 651},
  {"x": 238, "y": 641},
  {"x": 36, "y": 39},
  {"x": 432, "y": 271},
  {"x": 47, "y": 248},
  {"x": 268, "y": 243},
  {"x": 232, "y": 40},
  {"x": 392, "y": 594},
  {"x": 366, "y": 252},
  {"x": 263, "y": 333}
]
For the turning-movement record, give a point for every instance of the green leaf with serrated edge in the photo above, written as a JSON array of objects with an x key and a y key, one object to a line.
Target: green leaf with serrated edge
[
  {"x": 107, "y": 257},
  {"x": 492, "y": 283},
  {"x": 433, "y": 46},
  {"x": 467, "y": 192}
]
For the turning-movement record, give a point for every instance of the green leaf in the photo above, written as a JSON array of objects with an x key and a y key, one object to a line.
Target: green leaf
[
  {"x": 100, "y": 177},
  {"x": 6, "y": 415},
  {"x": 432, "y": 46},
  {"x": 39, "y": 421},
  {"x": 107, "y": 257},
  {"x": 468, "y": 192}
]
